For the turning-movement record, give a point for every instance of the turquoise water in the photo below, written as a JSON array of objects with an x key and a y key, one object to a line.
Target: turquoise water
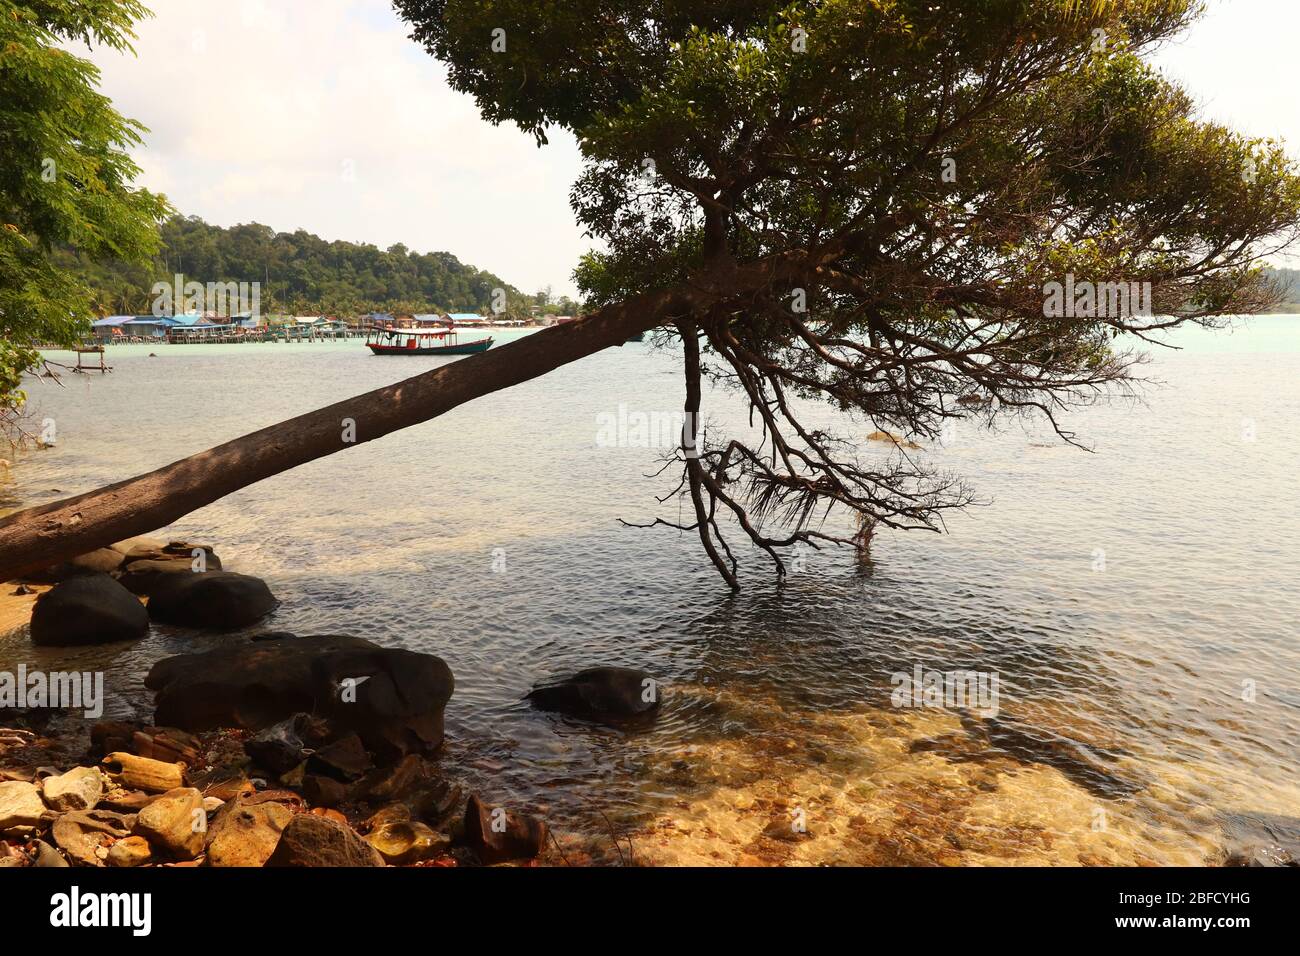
[{"x": 1150, "y": 701}]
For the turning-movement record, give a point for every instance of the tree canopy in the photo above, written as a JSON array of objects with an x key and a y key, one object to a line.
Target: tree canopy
[
  {"x": 911, "y": 210},
  {"x": 930, "y": 172},
  {"x": 65, "y": 174}
]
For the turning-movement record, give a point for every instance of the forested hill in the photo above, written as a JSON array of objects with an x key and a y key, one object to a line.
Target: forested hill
[
  {"x": 300, "y": 273},
  {"x": 1290, "y": 282}
]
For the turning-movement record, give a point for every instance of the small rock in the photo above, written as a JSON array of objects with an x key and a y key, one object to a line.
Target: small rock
[
  {"x": 393, "y": 813},
  {"x": 310, "y": 840},
  {"x": 1261, "y": 855},
  {"x": 21, "y": 806},
  {"x": 81, "y": 833},
  {"x": 48, "y": 857},
  {"x": 131, "y": 851},
  {"x": 390, "y": 783},
  {"x": 784, "y": 828},
  {"x": 294, "y": 778},
  {"x": 322, "y": 791},
  {"x": 280, "y": 747},
  {"x": 175, "y": 824},
  {"x": 345, "y": 757},
  {"x": 126, "y": 801},
  {"x": 435, "y": 802},
  {"x": 243, "y": 835},
  {"x": 138, "y": 545},
  {"x": 498, "y": 835},
  {"x": 329, "y": 813},
  {"x": 11, "y": 855},
  {"x": 78, "y": 789},
  {"x": 107, "y": 736},
  {"x": 142, "y": 773},
  {"x": 403, "y": 842},
  {"x": 167, "y": 744}
]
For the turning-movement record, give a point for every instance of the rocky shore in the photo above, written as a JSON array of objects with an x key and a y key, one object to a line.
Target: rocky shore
[{"x": 270, "y": 750}]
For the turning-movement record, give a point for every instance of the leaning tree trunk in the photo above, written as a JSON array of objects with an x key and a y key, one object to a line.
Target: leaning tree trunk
[{"x": 39, "y": 537}]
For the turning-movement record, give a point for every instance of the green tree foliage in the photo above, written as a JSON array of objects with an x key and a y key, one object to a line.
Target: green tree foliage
[
  {"x": 300, "y": 273},
  {"x": 922, "y": 170},
  {"x": 65, "y": 176}
]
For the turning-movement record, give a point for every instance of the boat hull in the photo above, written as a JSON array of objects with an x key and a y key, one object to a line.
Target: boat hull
[{"x": 464, "y": 348}]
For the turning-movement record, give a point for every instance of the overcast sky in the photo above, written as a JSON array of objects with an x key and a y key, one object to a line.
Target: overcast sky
[{"x": 321, "y": 114}]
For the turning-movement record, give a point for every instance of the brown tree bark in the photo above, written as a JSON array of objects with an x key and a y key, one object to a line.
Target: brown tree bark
[{"x": 39, "y": 537}]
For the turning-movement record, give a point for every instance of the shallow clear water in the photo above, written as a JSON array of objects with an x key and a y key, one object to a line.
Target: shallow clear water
[{"x": 1124, "y": 597}]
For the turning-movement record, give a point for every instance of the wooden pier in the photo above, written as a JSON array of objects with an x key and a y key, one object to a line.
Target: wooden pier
[
  {"x": 81, "y": 365},
  {"x": 234, "y": 335}
]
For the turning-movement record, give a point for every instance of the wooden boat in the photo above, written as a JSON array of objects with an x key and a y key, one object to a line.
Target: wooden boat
[{"x": 422, "y": 342}]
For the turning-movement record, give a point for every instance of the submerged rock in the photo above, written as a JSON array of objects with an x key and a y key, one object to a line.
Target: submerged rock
[
  {"x": 311, "y": 840},
  {"x": 1260, "y": 855},
  {"x": 211, "y": 601},
  {"x": 90, "y": 609},
  {"x": 610, "y": 695},
  {"x": 893, "y": 439}
]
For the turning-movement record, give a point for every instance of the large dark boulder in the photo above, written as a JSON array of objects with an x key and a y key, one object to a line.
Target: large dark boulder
[
  {"x": 310, "y": 840},
  {"x": 149, "y": 575},
  {"x": 212, "y": 600},
  {"x": 393, "y": 699},
  {"x": 250, "y": 684},
  {"x": 89, "y": 609},
  {"x": 609, "y": 695}
]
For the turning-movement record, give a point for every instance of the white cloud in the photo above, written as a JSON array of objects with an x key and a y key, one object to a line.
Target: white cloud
[{"x": 323, "y": 115}]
